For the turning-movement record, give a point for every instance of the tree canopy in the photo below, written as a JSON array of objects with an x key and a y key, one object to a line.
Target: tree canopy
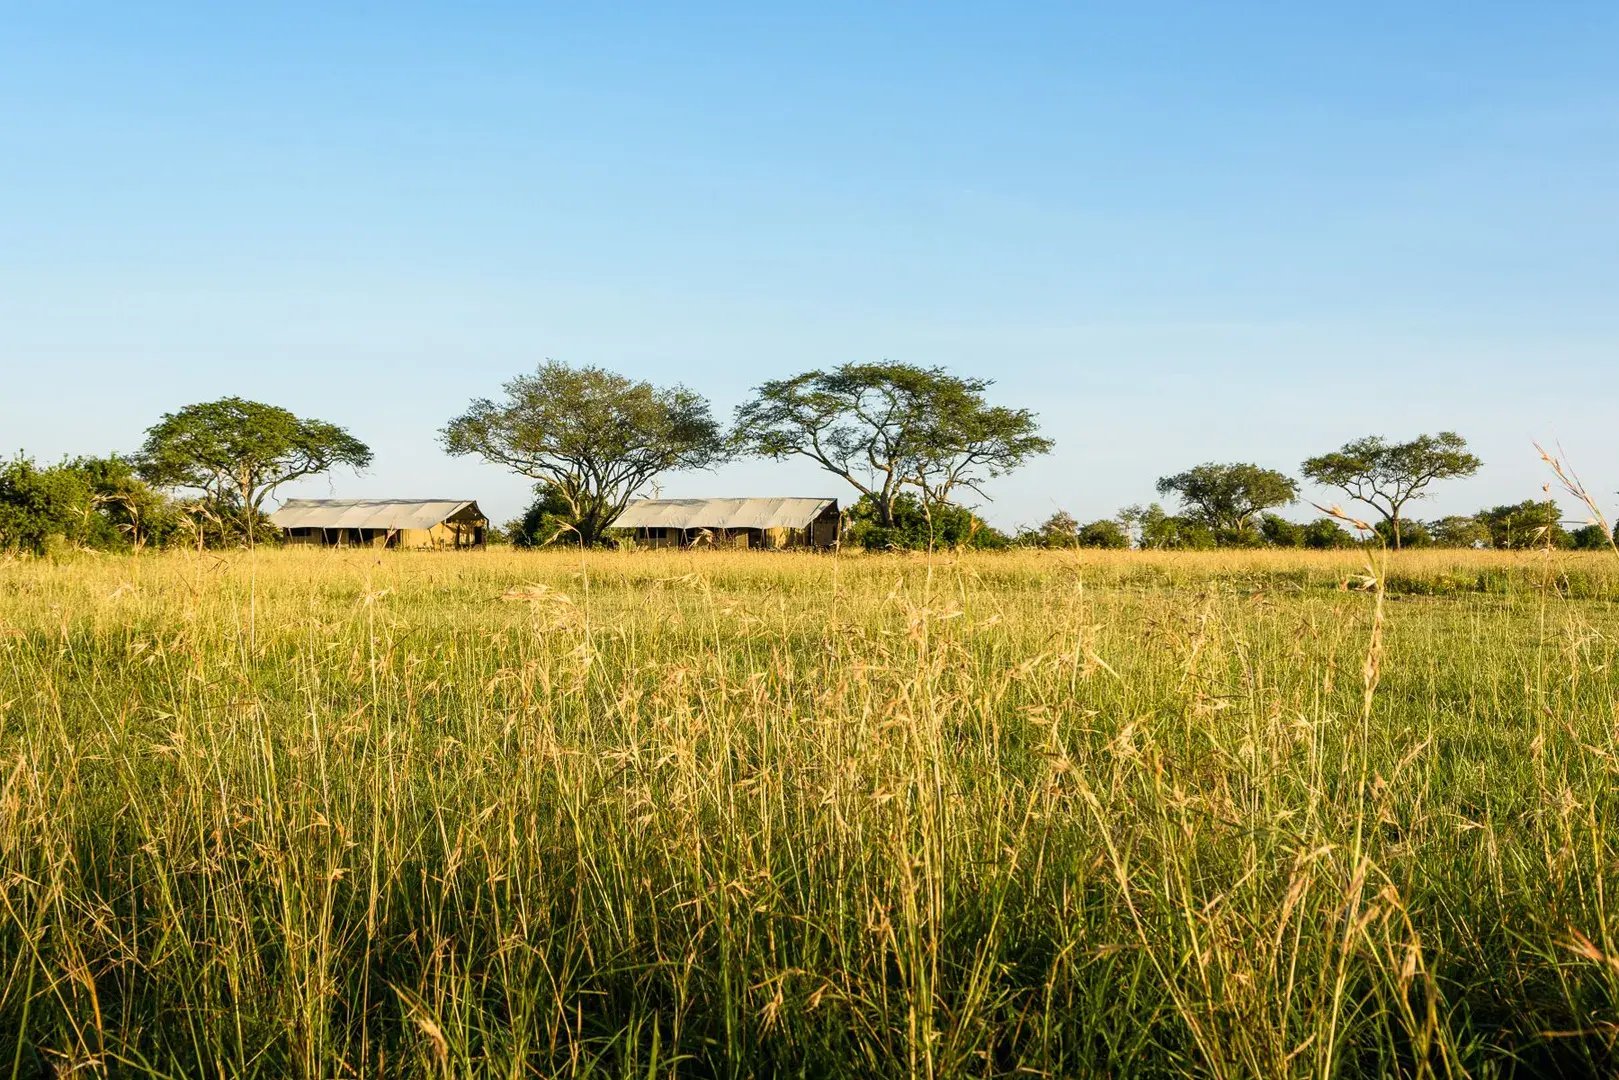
[
  {"x": 89, "y": 501},
  {"x": 885, "y": 427},
  {"x": 1528, "y": 524},
  {"x": 1226, "y": 497},
  {"x": 917, "y": 527},
  {"x": 1386, "y": 476},
  {"x": 1156, "y": 529},
  {"x": 593, "y": 437},
  {"x": 39, "y": 506},
  {"x": 1060, "y": 530},
  {"x": 1321, "y": 533},
  {"x": 1063, "y": 530},
  {"x": 237, "y": 452},
  {"x": 1104, "y": 533},
  {"x": 1459, "y": 531}
]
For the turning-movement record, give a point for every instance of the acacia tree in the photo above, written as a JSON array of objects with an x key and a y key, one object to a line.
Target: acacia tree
[
  {"x": 1226, "y": 497},
  {"x": 592, "y": 437},
  {"x": 1386, "y": 476},
  {"x": 237, "y": 452},
  {"x": 886, "y": 427}
]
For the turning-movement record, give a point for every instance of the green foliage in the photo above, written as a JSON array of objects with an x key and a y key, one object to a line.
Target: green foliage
[
  {"x": 884, "y": 428},
  {"x": 1413, "y": 534},
  {"x": 1591, "y": 537},
  {"x": 1060, "y": 530},
  {"x": 1321, "y": 534},
  {"x": 1187, "y": 534},
  {"x": 1245, "y": 537},
  {"x": 1386, "y": 476},
  {"x": 592, "y": 437},
  {"x": 1324, "y": 534},
  {"x": 1225, "y": 498},
  {"x": 203, "y": 523},
  {"x": 1105, "y": 533},
  {"x": 90, "y": 502},
  {"x": 1459, "y": 531},
  {"x": 1529, "y": 524},
  {"x": 129, "y": 513},
  {"x": 548, "y": 520},
  {"x": 237, "y": 452},
  {"x": 1280, "y": 532},
  {"x": 916, "y": 527},
  {"x": 1158, "y": 530},
  {"x": 42, "y": 508}
]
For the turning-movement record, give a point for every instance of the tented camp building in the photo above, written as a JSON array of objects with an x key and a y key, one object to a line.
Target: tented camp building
[
  {"x": 742, "y": 523},
  {"x": 393, "y": 523}
]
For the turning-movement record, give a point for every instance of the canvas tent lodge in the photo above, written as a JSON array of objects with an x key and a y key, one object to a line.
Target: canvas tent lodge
[
  {"x": 384, "y": 523},
  {"x": 739, "y": 523}
]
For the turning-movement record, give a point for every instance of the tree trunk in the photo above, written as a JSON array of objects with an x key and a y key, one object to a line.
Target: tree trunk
[
  {"x": 885, "y": 509},
  {"x": 591, "y": 525}
]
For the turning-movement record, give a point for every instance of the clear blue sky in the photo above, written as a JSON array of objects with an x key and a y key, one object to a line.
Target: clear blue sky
[{"x": 1179, "y": 232}]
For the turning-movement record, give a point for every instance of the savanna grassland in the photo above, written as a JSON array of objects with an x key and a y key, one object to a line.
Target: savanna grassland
[{"x": 630, "y": 814}]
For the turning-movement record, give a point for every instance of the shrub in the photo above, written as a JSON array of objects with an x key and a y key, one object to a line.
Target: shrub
[
  {"x": 1279, "y": 531},
  {"x": 40, "y": 508},
  {"x": 1105, "y": 533},
  {"x": 916, "y": 528},
  {"x": 1324, "y": 534},
  {"x": 548, "y": 519},
  {"x": 1529, "y": 524},
  {"x": 1590, "y": 537},
  {"x": 1158, "y": 529},
  {"x": 1459, "y": 531}
]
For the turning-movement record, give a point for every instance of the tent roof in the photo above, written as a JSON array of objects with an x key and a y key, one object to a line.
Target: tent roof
[
  {"x": 723, "y": 513},
  {"x": 370, "y": 513}
]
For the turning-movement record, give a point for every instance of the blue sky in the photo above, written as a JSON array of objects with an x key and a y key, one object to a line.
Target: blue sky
[{"x": 1178, "y": 232}]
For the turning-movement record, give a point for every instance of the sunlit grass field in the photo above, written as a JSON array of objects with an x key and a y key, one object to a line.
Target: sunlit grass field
[{"x": 631, "y": 814}]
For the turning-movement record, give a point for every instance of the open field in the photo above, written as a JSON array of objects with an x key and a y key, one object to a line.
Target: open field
[{"x": 331, "y": 814}]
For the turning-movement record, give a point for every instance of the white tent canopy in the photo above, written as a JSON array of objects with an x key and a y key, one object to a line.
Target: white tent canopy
[
  {"x": 394, "y": 514},
  {"x": 723, "y": 513}
]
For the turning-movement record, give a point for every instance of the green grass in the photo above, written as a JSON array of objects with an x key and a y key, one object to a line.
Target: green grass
[{"x": 322, "y": 814}]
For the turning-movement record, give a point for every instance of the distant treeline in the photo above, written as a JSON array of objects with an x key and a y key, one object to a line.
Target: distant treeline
[
  {"x": 915, "y": 444},
  {"x": 1518, "y": 526}
]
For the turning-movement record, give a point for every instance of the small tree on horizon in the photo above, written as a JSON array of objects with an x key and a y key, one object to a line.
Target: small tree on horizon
[
  {"x": 593, "y": 438},
  {"x": 1226, "y": 498},
  {"x": 1459, "y": 531},
  {"x": 237, "y": 452},
  {"x": 1107, "y": 533},
  {"x": 1528, "y": 524},
  {"x": 1156, "y": 529},
  {"x": 1059, "y": 530},
  {"x": 1386, "y": 476},
  {"x": 885, "y": 427}
]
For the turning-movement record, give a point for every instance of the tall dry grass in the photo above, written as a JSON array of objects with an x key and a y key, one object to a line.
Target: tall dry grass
[{"x": 1238, "y": 814}]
